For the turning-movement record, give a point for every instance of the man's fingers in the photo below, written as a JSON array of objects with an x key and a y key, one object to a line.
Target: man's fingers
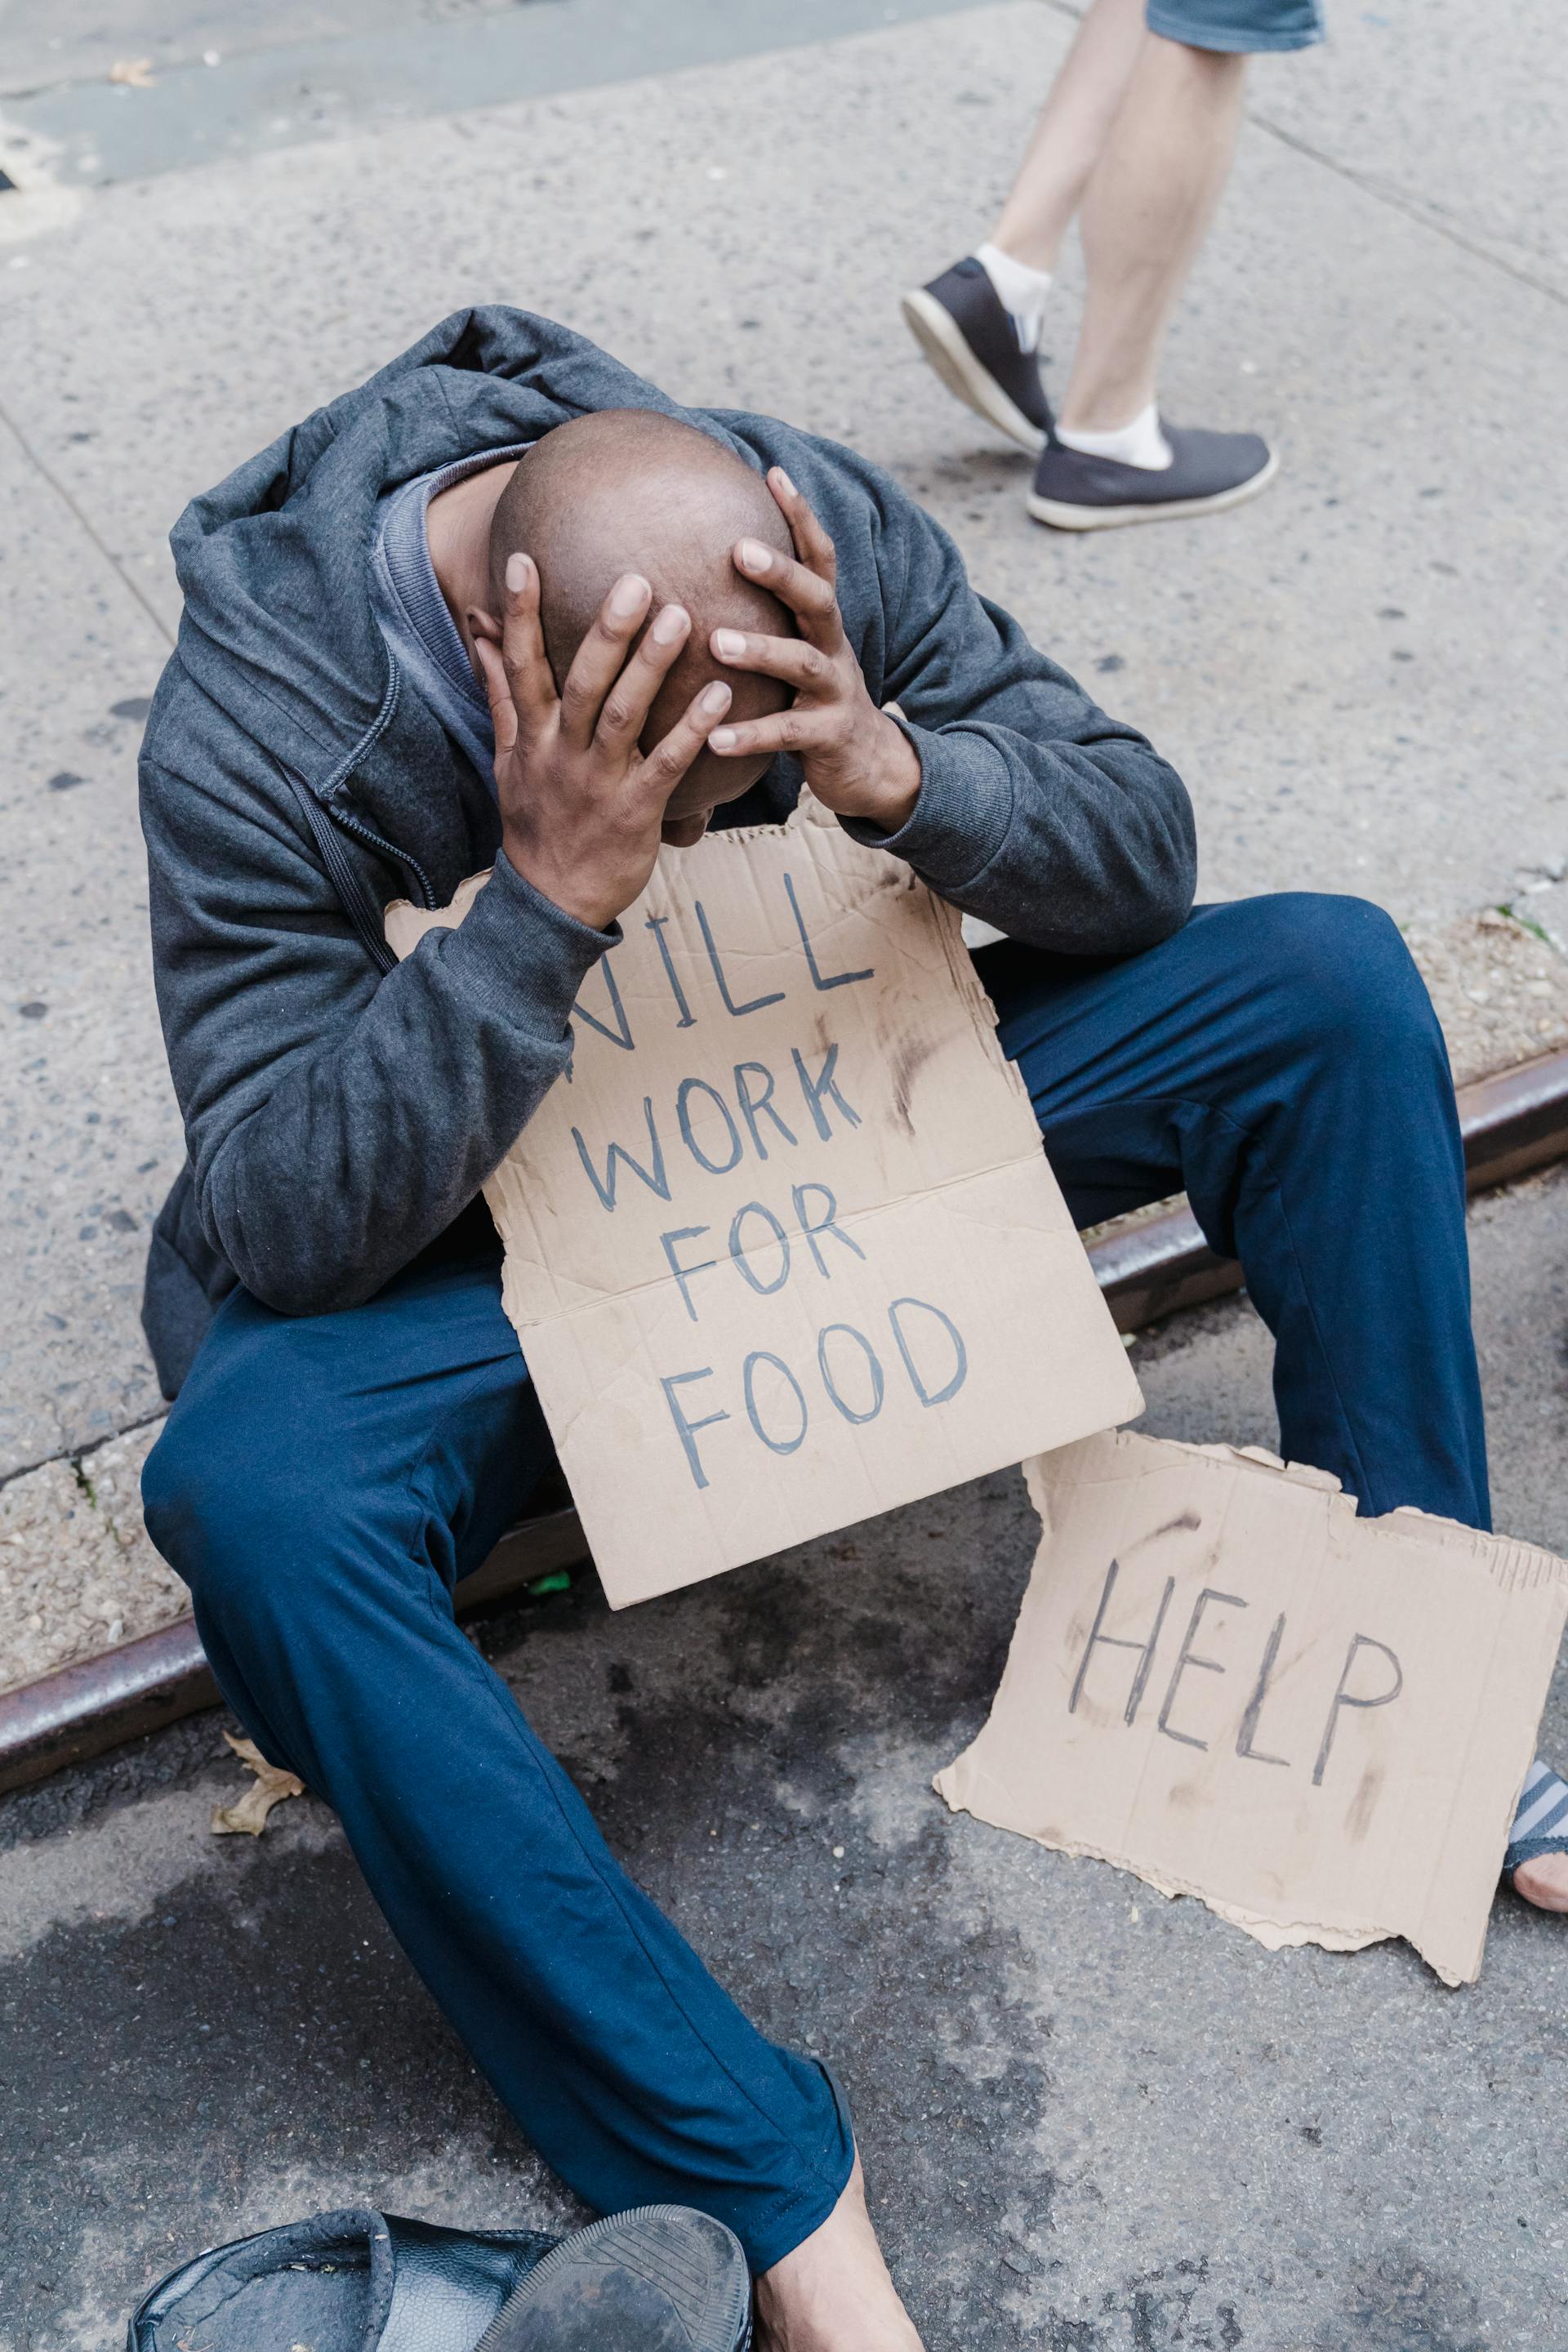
[
  {"x": 812, "y": 543},
  {"x": 600, "y": 657},
  {"x": 810, "y": 596},
  {"x": 503, "y": 709},
  {"x": 787, "y": 730},
  {"x": 670, "y": 759},
  {"x": 631, "y": 697},
  {"x": 798, "y": 664},
  {"x": 530, "y": 689}
]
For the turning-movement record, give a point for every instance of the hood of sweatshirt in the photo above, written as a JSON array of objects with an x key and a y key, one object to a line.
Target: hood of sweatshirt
[{"x": 277, "y": 631}]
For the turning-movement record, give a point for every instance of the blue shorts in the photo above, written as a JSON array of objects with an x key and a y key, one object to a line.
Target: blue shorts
[{"x": 1238, "y": 24}]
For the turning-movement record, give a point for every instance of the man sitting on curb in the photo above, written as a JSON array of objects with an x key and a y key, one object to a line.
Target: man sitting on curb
[{"x": 677, "y": 617}]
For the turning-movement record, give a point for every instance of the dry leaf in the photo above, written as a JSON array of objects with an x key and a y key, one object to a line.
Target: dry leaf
[
  {"x": 133, "y": 73},
  {"x": 268, "y": 1788}
]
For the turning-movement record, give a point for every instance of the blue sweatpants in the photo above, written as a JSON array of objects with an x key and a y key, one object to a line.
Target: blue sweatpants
[{"x": 324, "y": 1482}]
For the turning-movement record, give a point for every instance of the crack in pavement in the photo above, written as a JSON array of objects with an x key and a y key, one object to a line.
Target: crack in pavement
[{"x": 109, "y": 557}]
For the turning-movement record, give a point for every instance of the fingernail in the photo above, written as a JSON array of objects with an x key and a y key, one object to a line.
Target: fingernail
[
  {"x": 717, "y": 698},
  {"x": 728, "y": 643},
  {"x": 790, "y": 490},
  {"x": 754, "y": 556},
  {"x": 626, "y": 595},
  {"x": 517, "y": 573},
  {"x": 671, "y": 623}
]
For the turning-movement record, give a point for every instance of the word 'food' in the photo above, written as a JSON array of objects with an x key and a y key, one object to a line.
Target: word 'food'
[{"x": 850, "y": 1373}]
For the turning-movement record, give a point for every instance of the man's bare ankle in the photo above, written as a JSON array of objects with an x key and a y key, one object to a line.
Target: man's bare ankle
[{"x": 832, "y": 2292}]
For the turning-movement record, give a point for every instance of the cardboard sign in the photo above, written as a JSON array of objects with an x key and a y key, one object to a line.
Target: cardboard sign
[
  {"x": 783, "y": 1249},
  {"x": 1225, "y": 1682}
]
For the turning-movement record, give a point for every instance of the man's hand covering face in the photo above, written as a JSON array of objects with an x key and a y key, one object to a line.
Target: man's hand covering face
[
  {"x": 582, "y": 806},
  {"x": 856, "y": 760}
]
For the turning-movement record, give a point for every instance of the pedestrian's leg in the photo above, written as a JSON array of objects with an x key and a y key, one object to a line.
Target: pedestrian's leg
[
  {"x": 321, "y": 1485},
  {"x": 1070, "y": 134},
  {"x": 978, "y": 323},
  {"x": 1146, "y": 209},
  {"x": 1137, "y": 137}
]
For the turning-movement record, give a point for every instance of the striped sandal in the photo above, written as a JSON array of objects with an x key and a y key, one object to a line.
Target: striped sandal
[{"x": 1540, "y": 1820}]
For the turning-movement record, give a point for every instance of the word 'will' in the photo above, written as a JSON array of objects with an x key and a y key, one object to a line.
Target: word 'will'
[{"x": 618, "y": 1028}]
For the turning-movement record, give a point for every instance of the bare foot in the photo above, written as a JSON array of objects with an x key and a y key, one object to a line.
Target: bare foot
[
  {"x": 1543, "y": 1882},
  {"x": 832, "y": 2294}
]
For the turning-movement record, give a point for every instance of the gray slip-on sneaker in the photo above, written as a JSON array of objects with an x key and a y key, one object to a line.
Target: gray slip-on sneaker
[
  {"x": 662, "y": 2278},
  {"x": 967, "y": 337},
  {"x": 1207, "y": 473},
  {"x": 356, "y": 2281}
]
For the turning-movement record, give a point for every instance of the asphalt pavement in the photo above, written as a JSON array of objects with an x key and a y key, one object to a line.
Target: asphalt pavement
[{"x": 1091, "y": 2120}]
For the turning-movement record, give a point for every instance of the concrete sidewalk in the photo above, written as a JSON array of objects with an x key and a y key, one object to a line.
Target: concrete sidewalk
[
  {"x": 1360, "y": 675},
  {"x": 1093, "y": 2121}
]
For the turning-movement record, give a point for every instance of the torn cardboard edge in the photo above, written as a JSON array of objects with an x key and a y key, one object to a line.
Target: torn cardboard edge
[
  {"x": 1513, "y": 1122},
  {"x": 1274, "y": 1935},
  {"x": 1228, "y": 1684}
]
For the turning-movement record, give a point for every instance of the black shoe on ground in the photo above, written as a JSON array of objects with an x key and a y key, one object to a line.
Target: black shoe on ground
[
  {"x": 1207, "y": 472},
  {"x": 342, "y": 2282},
  {"x": 659, "y": 2279},
  {"x": 968, "y": 338}
]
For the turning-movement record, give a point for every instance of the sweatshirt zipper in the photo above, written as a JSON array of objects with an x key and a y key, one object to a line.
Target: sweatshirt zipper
[{"x": 387, "y": 850}]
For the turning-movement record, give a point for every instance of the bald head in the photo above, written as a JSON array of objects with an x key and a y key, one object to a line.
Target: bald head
[{"x": 629, "y": 489}]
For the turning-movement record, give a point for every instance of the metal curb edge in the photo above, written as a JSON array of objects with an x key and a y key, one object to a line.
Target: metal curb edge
[
  {"x": 1512, "y": 1123},
  {"x": 81, "y": 1710}
]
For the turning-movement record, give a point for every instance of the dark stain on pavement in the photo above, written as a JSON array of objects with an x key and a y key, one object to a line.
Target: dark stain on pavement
[
  {"x": 758, "y": 1751},
  {"x": 261, "y": 2027},
  {"x": 1402, "y": 2303},
  {"x": 260, "y": 2022}
]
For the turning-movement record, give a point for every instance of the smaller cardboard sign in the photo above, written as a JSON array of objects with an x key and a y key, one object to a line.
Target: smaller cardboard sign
[
  {"x": 1225, "y": 1682},
  {"x": 783, "y": 1248}
]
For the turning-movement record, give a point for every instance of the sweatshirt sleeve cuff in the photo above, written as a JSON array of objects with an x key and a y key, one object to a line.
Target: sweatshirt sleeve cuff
[
  {"x": 962, "y": 813},
  {"x": 525, "y": 957}
]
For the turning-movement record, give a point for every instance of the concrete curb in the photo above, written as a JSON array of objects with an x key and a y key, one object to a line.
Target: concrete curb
[
  {"x": 1512, "y": 1122},
  {"x": 96, "y": 1703}
]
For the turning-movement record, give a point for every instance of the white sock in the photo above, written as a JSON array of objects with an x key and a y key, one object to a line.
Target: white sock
[
  {"x": 1141, "y": 443},
  {"x": 1021, "y": 291}
]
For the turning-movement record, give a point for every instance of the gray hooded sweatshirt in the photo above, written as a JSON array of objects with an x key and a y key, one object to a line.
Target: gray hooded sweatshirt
[{"x": 341, "y": 1110}]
